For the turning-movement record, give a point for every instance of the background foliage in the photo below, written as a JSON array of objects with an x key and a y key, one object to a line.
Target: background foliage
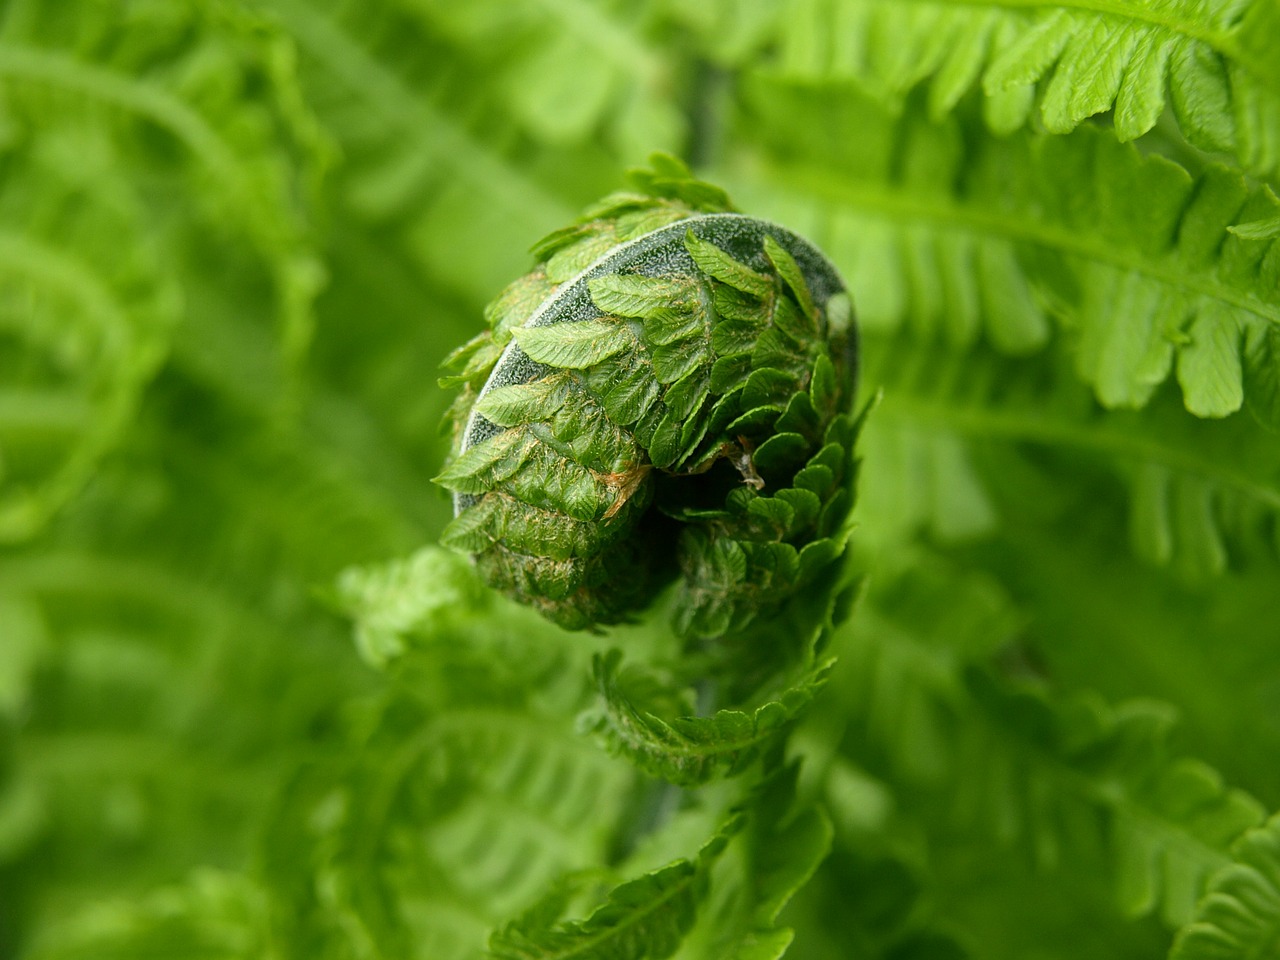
[{"x": 237, "y": 237}]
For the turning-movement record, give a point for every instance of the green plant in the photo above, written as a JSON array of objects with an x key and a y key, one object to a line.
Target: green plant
[
  {"x": 1033, "y": 707},
  {"x": 669, "y": 380}
]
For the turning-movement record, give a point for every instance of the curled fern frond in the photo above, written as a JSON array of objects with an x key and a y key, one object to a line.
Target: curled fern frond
[
  {"x": 1063, "y": 62},
  {"x": 671, "y": 380}
]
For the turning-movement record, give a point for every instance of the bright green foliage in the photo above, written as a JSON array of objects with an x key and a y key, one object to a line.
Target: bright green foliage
[
  {"x": 642, "y": 919},
  {"x": 1018, "y": 229},
  {"x": 1061, "y": 63},
  {"x": 1240, "y": 916},
  {"x": 1023, "y": 700},
  {"x": 692, "y": 750},
  {"x": 1062, "y": 776},
  {"x": 94, "y": 261},
  {"x": 1194, "y": 492}
]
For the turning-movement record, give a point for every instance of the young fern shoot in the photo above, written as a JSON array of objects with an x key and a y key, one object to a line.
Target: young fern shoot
[{"x": 667, "y": 392}]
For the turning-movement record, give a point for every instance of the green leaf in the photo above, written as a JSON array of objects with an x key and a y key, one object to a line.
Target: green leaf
[
  {"x": 715, "y": 263},
  {"x": 1262, "y": 361},
  {"x": 1201, "y": 495},
  {"x": 693, "y": 750},
  {"x": 633, "y": 295},
  {"x": 791, "y": 275},
  {"x": 1240, "y": 914},
  {"x": 1258, "y": 229},
  {"x": 1132, "y": 264},
  {"x": 784, "y": 842},
  {"x": 211, "y": 914},
  {"x": 419, "y": 595},
  {"x": 497, "y": 458},
  {"x": 237, "y": 237},
  {"x": 642, "y": 919},
  {"x": 1066, "y": 62},
  {"x": 1034, "y": 766},
  {"x": 517, "y": 404},
  {"x": 575, "y": 346}
]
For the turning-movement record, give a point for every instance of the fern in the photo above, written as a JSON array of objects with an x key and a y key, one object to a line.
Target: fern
[
  {"x": 783, "y": 843},
  {"x": 1240, "y": 915},
  {"x": 1140, "y": 267},
  {"x": 91, "y": 291},
  {"x": 237, "y": 238},
  {"x": 397, "y": 163},
  {"x": 690, "y": 750},
  {"x": 212, "y": 914},
  {"x": 1199, "y": 493},
  {"x": 1062, "y": 63},
  {"x": 569, "y": 69},
  {"x": 641, "y": 919},
  {"x": 1037, "y": 769}
]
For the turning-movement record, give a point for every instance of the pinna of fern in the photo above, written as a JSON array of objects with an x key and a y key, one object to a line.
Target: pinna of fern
[
  {"x": 1200, "y": 497},
  {"x": 957, "y": 237},
  {"x": 1057, "y": 64}
]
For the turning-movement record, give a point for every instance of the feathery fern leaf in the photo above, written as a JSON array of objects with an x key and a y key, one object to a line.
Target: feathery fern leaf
[
  {"x": 76, "y": 359},
  {"x": 955, "y": 238},
  {"x": 172, "y": 700},
  {"x": 642, "y": 919},
  {"x": 249, "y": 153},
  {"x": 568, "y": 69},
  {"x": 462, "y": 794},
  {"x": 690, "y": 750},
  {"x": 417, "y": 596},
  {"x": 123, "y": 161},
  {"x": 213, "y": 915},
  {"x": 1064, "y": 62},
  {"x": 1202, "y": 495},
  {"x": 414, "y": 163},
  {"x": 1042, "y": 771},
  {"x": 781, "y": 846},
  {"x": 1239, "y": 917},
  {"x": 127, "y": 752}
]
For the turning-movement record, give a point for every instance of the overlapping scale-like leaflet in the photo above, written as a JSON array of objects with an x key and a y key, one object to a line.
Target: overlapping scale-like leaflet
[{"x": 666, "y": 394}]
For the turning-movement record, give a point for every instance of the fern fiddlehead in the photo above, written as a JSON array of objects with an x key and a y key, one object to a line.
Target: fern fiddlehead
[{"x": 665, "y": 394}]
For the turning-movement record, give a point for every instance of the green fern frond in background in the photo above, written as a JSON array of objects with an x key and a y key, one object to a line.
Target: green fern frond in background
[
  {"x": 1201, "y": 496},
  {"x": 1061, "y": 63},
  {"x": 1241, "y": 914},
  {"x": 1034, "y": 712},
  {"x": 978, "y": 236}
]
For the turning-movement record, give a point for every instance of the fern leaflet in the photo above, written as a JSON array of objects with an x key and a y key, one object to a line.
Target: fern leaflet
[
  {"x": 1240, "y": 915},
  {"x": 956, "y": 238},
  {"x": 1062, "y": 63}
]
